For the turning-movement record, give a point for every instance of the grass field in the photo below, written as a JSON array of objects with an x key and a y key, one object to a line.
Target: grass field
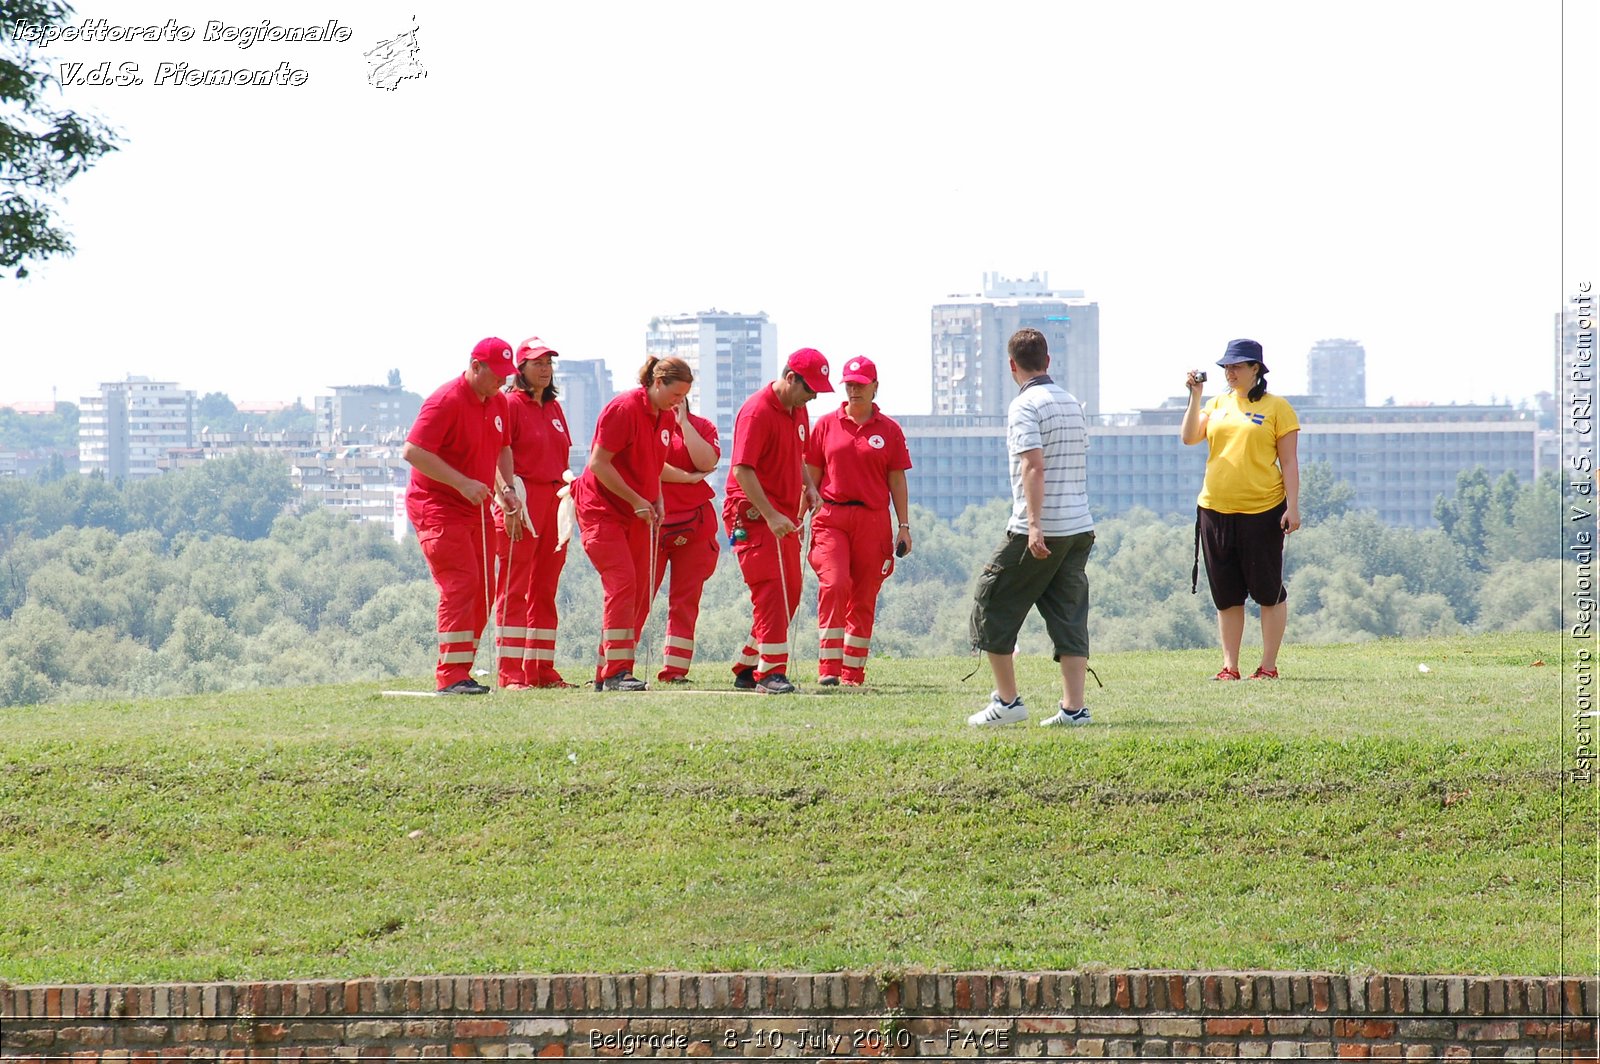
[{"x": 1356, "y": 815}]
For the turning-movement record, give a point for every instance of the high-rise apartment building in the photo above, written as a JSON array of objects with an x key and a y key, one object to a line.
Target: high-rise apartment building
[
  {"x": 971, "y": 370},
  {"x": 126, "y": 431},
  {"x": 1338, "y": 372},
  {"x": 367, "y": 413},
  {"x": 731, "y": 354},
  {"x": 585, "y": 387}
]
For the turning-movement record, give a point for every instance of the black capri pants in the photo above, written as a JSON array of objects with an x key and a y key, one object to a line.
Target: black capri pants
[{"x": 1244, "y": 556}]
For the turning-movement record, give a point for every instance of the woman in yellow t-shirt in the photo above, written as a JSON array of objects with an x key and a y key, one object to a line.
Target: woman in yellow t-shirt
[{"x": 1250, "y": 501}]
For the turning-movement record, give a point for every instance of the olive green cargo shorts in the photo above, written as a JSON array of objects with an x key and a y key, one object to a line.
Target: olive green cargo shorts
[{"x": 1015, "y": 581}]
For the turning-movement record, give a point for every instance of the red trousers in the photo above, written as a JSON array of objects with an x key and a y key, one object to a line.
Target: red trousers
[
  {"x": 457, "y": 557},
  {"x": 525, "y": 593},
  {"x": 688, "y": 545},
  {"x": 852, "y": 553},
  {"x": 620, "y": 551},
  {"x": 771, "y": 569}
]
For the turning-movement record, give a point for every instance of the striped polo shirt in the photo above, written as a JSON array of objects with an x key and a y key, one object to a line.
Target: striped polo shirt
[{"x": 1046, "y": 417}]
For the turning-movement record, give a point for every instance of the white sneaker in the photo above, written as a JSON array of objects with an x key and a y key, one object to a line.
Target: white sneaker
[
  {"x": 1065, "y": 718},
  {"x": 998, "y": 712}
]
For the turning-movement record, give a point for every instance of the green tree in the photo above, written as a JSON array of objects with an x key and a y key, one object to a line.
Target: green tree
[
  {"x": 1323, "y": 496},
  {"x": 1466, "y": 517},
  {"x": 296, "y": 418},
  {"x": 1139, "y": 584},
  {"x": 56, "y": 470},
  {"x": 32, "y": 655},
  {"x": 78, "y": 502},
  {"x": 1427, "y": 561},
  {"x": 942, "y": 555},
  {"x": 1521, "y": 596},
  {"x": 39, "y": 432},
  {"x": 41, "y": 147},
  {"x": 215, "y": 409},
  {"x": 16, "y": 509},
  {"x": 239, "y": 496},
  {"x": 1536, "y": 527},
  {"x": 1354, "y": 609}
]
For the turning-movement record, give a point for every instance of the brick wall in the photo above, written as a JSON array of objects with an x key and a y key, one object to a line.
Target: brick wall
[{"x": 1045, "y": 1015}]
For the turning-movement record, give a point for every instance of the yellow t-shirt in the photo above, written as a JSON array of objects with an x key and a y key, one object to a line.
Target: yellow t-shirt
[{"x": 1242, "y": 474}]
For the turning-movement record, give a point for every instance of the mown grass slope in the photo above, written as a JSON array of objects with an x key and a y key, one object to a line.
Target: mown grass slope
[{"x": 1356, "y": 815}]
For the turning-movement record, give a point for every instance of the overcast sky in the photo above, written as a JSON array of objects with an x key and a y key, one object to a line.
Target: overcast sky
[{"x": 1387, "y": 172}]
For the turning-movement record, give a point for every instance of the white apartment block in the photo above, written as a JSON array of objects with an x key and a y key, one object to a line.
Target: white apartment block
[
  {"x": 731, "y": 354},
  {"x": 971, "y": 365},
  {"x": 367, "y": 483},
  {"x": 126, "y": 431}
]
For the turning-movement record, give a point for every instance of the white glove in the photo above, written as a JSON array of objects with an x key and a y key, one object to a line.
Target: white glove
[{"x": 566, "y": 511}]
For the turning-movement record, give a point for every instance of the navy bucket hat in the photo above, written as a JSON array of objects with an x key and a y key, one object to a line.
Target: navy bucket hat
[{"x": 1242, "y": 351}]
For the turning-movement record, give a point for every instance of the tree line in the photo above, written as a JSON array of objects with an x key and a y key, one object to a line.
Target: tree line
[
  {"x": 56, "y": 431},
  {"x": 207, "y": 579}
]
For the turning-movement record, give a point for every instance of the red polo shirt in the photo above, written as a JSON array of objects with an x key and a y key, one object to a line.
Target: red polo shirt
[
  {"x": 637, "y": 436},
  {"x": 540, "y": 441},
  {"x": 856, "y": 459},
  {"x": 681, "y": 498},
  {"x": 467, "y": 433},
  {"x": 771, "y": 440}
]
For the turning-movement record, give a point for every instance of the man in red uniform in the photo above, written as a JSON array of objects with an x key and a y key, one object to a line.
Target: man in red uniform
[
  {"x": 456, "y": 446},
  {"x": 858, "y": 459},
  {"x": 525, "y": 618},
  {"x": 768, "y": 493},
  {"x": 688, "y": 537}
]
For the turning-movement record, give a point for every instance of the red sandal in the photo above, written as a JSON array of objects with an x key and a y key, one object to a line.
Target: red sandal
[
  {"x": 1264, "y": 674},
  {"x": 1227, "y": 674}
]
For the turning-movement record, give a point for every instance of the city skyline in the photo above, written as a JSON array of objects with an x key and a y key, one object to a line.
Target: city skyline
[
  {"x": 1281, "y": 173},
  {"x": 621, "y": 379},
  {"x": 1396, "y": 461}
]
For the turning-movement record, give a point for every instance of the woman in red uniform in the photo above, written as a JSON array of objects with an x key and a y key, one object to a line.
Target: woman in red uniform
[
  {"x": 525, "y": 604},
  {"x": 857, "y": 456},
  {"x": 619, "y": 507},
  {"x": 688, "y": 536}
]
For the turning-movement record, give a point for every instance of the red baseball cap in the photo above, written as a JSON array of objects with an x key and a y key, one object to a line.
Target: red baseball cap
[
  {"x": 496, "y": 354},
  {"x": 860, "y": 371},
  {"x": 533, "y": 348},
  {"x": 812, "y": 367}
]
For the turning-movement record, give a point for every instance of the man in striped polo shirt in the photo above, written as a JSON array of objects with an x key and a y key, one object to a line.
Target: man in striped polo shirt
[{"x": 1048, "y": 540}]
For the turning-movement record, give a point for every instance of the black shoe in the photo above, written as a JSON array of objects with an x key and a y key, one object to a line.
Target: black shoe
[
  {"x": 623, "y": 681},
  {"x": 744, "y": 680},
  {"x": 464, "y": 687},
  {"x": 827, "y": 681},
  {"x": 775, "y": 683}
]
